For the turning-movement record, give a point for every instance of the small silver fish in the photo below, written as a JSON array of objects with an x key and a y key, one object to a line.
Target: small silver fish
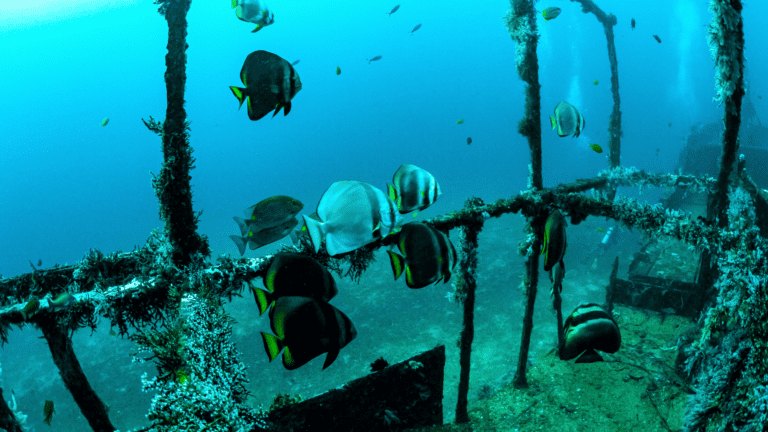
[
  {"x": 394, "y": 9},
  {"x": 374, "y": 59},
  {"x": 418, "y": 26},
  {"x": 295, "y": 63}
]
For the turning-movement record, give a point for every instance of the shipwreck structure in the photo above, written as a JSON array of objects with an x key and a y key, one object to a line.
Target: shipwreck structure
[{"x": 169, "y": 297}]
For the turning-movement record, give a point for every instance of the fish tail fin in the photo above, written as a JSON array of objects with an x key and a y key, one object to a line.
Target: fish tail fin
[
  {"x": 553, "y": 122},
  {"x": 239, "y": 94},
  {"x": 331, "y": 357},
  {"x": 240, "y": 242},
  {"x": 272, "y": 345},
  {"x": 242, "y": 224},
  {"x": 393, "y": 194},
  {"x": 315, "y": 230},
  {"x": 263, "y": 299},
  {"x": 397, "y": 264},
  {"x": 589, "y": 356}
]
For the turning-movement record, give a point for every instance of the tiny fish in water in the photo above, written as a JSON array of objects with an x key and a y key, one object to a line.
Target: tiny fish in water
[
  {"x": 595, "y": 82},
  {"x": 48, "y": 412},
  {"x": 658, "y": 39},
  {"x": 338, "y": 70},
  {"x": 418, "y": 26},
  {"x": 670, "y": 125},
  {"x": 596, "y": 148},
  {"x": 551, "y": 13},
  {"x": 105, "y": 122},
  {"x": 295, "y": 63},
  {"x": 469, "y": 140},
  {"x": 374, "y": 59},
  {"x": 459, "y": 121},
  {"x": 39, "y": 262},
  {"x": 394, "y": 9},
  {"x": 633, "y": 23}
]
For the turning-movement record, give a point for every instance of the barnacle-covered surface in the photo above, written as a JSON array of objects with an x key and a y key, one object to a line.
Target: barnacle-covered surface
[{"x": 201, "y": 381}]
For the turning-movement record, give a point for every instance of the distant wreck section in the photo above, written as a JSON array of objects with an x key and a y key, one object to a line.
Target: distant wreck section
[{"x": 702, "y": 147}]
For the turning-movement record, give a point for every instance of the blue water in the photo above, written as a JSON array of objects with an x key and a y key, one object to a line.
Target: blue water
[{"x": 67, "y": 184}]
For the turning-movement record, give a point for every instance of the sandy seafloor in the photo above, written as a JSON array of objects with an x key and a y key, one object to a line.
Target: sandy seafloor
[{"x": 396, "y": 323}]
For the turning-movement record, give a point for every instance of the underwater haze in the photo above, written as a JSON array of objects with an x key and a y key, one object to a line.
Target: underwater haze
[{"x": 69, "y": 184}]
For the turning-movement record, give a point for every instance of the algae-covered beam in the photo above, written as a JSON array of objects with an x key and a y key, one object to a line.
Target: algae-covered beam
[
  {"x": 726, "y": 42},
  {"x": 466, "y": 285},
  {"x": 8, "y": 420},
  {"x": 172, "y": 185},
  {"x": 60, "y": 345},
  {"x": 139, "y": 272},
  {"x": 521, "y": 24}
]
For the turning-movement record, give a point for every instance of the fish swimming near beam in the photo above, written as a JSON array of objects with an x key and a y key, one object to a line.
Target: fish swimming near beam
[{"x": 270, "y": 83}]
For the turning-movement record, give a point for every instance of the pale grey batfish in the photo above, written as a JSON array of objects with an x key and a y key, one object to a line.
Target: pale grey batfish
[{"x": 352, "y": 214}]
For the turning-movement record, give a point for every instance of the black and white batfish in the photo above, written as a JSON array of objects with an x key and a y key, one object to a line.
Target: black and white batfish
[
  {"x": 414, "y": 188},
  {"x": 294, "y": 274},
  {"x": 555, "y": 242},
  {"x": 253, "y": 11},
  {"x": 352, "y": 214},
  {"x": 270, "y": 84},
  {"x": 567, "y": 120},
  {"x": 305, "y": 328},
  {"x": 428, "y": 256},
  {"x": 587, "y": 330}
]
